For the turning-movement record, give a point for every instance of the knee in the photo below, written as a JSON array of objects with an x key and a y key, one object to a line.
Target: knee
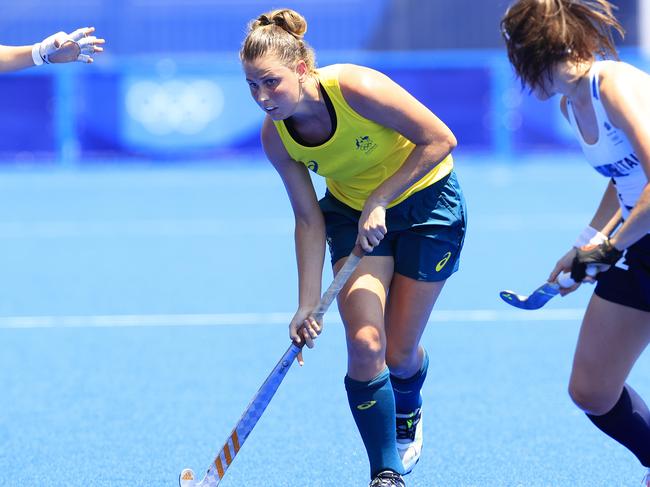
[
  {"x": 365, "y": 346},
  {"x": 590, "y": 398},
  {"x": 402, "y": 362}
]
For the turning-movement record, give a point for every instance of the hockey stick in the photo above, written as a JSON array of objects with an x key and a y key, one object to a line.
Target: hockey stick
[
  {"x": 263, "y": 397},
  {"x": 543, "y": 294}
]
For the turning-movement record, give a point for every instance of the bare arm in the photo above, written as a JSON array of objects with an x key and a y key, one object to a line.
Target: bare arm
[
  {"x": 14, "y": 58},
  {"x": 310, "y": 226},
  {"x": 378, "y": 98},
  {"x": 608, "y": 214},
  {"x": 79, "y": 45},
  {"x": 611, "y": 225},
  {"x": 626, "y": 95}
]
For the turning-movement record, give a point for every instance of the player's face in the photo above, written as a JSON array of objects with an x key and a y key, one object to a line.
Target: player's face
[{"x": 274, "y": 86}]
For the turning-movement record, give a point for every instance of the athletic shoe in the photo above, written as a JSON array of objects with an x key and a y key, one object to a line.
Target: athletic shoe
[
  {"x": 387, "y": 478},
  {"x": 409, "y": 438},
  {"x": 646, "y": 479}
]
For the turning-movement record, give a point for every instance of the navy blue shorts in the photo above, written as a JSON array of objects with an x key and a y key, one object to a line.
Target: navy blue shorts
[
  {"x": 628, "y": 282},
  {"x": 425, "y": 231}
]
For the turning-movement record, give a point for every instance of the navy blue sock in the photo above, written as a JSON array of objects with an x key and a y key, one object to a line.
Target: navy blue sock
[
  {"x": 373, "y": 408},
  {"x": 628, "y": 423},
  {"x": 407, "y": 391}
]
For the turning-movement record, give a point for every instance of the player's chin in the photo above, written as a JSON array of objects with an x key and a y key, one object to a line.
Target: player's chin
[{"x": 276, "y": 115}]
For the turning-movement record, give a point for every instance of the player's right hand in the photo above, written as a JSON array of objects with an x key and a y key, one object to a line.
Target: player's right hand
[
  {"x": 304, "y": 329},
  {"x": 372, "y": 226},
  {"x": 564, "y": 264},
  {"x": 79, "y": 46}
]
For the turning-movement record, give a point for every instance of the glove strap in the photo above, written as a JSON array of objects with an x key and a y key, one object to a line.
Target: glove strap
[
  {"x": 36, "y": 54},
  {"x": 611, "y": 253}
]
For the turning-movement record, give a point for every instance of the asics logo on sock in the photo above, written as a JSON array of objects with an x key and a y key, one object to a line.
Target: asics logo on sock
[
  {"x": 366, "y": 405},
  {"x": 443, "y": 261}
]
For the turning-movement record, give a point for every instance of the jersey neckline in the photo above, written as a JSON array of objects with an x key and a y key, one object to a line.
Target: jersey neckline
[{"x": 333, "y": 120}]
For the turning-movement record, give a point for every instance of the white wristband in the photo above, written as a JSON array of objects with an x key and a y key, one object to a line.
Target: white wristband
[
  {"x": 589, "y": 236},
  {"x": 36, "y": 54}
]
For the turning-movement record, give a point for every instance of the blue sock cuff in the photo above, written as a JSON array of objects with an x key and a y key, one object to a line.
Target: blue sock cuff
[{"x": 373, "y": 384}]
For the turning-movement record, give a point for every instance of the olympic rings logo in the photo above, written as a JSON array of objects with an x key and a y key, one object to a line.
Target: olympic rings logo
[{"x": 174, "y": 106}]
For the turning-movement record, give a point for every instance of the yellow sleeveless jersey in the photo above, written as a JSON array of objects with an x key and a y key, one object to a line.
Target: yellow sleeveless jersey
[{"x": 360, "y": 154}]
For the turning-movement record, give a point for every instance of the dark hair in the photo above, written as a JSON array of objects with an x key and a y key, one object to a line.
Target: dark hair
[
  {"x": 540, "y": 33},
  {"x": 279, "y": 32}
]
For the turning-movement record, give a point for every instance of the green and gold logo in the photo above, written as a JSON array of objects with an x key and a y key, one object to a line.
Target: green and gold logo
[{"x": 365, "y": 144}]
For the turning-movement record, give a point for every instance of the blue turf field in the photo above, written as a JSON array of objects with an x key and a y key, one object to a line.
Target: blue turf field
[{"x": 142, "y": 308}]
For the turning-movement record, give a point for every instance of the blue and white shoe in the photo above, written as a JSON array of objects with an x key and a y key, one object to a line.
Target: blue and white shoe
[{"x": 409, "y": 438}]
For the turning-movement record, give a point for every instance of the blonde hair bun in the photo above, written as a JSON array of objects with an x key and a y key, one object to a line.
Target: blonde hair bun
[
  {"x": 279, "y": 32},
  {"x": 287, "y": 19}
]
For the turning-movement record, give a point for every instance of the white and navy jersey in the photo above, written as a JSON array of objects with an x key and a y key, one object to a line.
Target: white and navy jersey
[{"x": 612, "y": 155}]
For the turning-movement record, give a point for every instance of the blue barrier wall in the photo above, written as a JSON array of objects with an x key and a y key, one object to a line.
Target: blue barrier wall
[
  {"x": 170, "y": 85},
  {"x": 179, "y": 108},
  {"x": 173, "y": 26},
  {"x": 186, "y": 26}
]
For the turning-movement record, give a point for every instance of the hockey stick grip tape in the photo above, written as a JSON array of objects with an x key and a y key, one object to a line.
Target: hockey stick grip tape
[{"x": 564, "y": 278}]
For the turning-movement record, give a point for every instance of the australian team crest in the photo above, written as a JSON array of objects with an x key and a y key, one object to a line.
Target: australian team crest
[{"x": 365, "y": 144}]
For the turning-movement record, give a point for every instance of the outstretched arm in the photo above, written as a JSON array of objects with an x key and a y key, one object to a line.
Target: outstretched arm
[
  {"x": 61, "y": 47},
  {"x": 13, "y": 58}
]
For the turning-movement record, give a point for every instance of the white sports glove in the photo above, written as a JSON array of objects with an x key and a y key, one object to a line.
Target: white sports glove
[{"x": 64, "y": 48}]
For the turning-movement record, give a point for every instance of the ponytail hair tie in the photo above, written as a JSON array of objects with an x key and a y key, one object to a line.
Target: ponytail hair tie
[{"x": 264, "y": 20}]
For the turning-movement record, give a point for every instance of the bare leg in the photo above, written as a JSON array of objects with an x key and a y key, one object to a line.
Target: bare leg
[
  {"x": 408, "y": 310},
  {"x": 611, "y": 339},
  {"x": 370, "y": 394},
  {"x": 361, "y": 303}
]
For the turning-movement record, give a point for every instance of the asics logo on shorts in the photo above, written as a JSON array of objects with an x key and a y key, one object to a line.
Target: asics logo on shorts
[
  {"x": 443, "y": 261},
  {"x": 366, "y": 405}
]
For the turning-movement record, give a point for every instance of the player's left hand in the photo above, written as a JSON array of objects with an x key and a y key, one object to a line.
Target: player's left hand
[
  {"x": 79, "y": 46},
  {"x": 602, "y": 256},
  {"x": 372, "y": 226}
]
